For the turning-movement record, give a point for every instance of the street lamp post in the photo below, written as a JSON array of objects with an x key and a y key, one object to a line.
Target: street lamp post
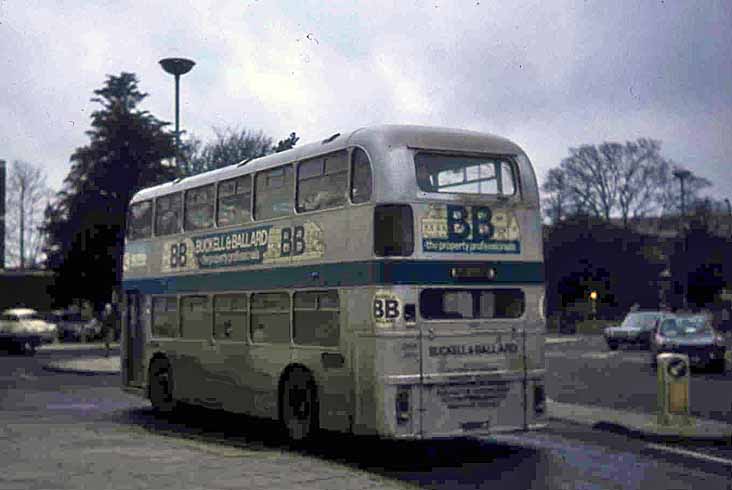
[
  {"x": 681, "y": 175},
  {"x": 593, "y": 303},
  {"x": 177, "y": 67}
]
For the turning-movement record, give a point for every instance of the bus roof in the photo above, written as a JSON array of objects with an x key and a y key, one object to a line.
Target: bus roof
[{"x": 418, "y": 137}]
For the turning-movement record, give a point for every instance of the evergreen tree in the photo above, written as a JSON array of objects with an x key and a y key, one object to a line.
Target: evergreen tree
[{"x": 128, "y": 149}]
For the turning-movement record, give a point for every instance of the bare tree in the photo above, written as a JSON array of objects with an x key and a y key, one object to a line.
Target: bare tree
[
  {"x": 27, "y": 197},
  {"x": 556, "y": 195},
  {"x": 612, "y": 179},
  {"x": 671, "y": 190},
  {"x": 641, "y": 169},
  {"x": 230, "y": 146}
]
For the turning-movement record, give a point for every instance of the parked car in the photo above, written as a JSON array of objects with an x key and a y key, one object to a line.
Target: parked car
[
  {"x": 692, "y": 335},
  {"x": 636, "y": 329},
  {"x": 24, "y": 329},
  {"x": 72, "y": 327}
]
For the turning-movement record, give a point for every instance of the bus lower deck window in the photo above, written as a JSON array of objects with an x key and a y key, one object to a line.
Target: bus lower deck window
[
  {"x": 165, "y": 316},
  {"x": 270, "y": 317},
  {"x": 316, "y": 318}
]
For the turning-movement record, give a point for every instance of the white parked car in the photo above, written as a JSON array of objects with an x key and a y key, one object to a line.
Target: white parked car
[{"x": 24, "y": 329}]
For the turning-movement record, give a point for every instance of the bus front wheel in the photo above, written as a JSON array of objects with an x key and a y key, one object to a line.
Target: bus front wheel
[
  {"x": 299, "y": 406},
  {"x": 161, "y": 387}
]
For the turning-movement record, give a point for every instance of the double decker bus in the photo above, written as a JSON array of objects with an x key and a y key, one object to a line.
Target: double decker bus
[{"x": 388, "y": 282}]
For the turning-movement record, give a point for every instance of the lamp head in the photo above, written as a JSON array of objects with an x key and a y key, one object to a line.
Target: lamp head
[
  {"x": 681, "y": 174},
  {"x": 177, "y": 66}
]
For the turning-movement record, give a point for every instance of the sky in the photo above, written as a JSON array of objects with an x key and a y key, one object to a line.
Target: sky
[{"x": 548, "y": 75}]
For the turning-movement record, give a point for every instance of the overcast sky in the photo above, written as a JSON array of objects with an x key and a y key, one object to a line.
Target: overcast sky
[{"x": 547, "y": 74}]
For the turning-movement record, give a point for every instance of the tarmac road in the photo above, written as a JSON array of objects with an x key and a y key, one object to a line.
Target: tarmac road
[
  {"x": 67, "y": 431},
  {"x": 587, "y": 372}
]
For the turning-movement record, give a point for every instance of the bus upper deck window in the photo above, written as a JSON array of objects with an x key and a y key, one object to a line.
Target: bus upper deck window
[
  {"x": 234, "y": 201},
  {"x": 321, "y": 182},
  {"x": 168, "y": 211},
  {"x": 139, "y": 220},
  {"x": 273, "y": 196},
  {"x": 360, "y": 176},
  {"x": 507, "y": 179},
  {"x": 198, "y": 208},
  {"x": 393, "y": 230}
]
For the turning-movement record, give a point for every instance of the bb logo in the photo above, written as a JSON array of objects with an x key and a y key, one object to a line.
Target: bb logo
[{"x": 387, "y": 308}]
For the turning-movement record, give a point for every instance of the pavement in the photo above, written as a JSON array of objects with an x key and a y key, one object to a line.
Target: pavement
[
  {"x": 72, "y": 346},
  {"x": 641, "y": 425},
  {"x": 564, "y": 339},
  {"x": 87, "y": 365}
]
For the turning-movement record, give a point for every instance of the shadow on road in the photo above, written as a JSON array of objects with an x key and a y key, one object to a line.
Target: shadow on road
[{"x": 435, "y": 464}]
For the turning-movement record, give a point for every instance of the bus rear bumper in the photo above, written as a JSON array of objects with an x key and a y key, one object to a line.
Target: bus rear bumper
[{"x": 474, "y": 434}]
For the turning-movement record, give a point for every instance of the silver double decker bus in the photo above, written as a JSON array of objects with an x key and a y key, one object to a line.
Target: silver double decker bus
[{"x": 388, "y": 281}]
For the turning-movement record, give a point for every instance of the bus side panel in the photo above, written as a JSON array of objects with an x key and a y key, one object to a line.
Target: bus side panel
[
  {"x": 365, "y": 386},
  {"x": 231, "y": 370},
  {"x": 263, "y": 376}
]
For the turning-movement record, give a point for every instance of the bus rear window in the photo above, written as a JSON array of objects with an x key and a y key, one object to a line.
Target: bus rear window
[
  {"x": 441, "y": 173},
  {"x": 447, "y": 304}
]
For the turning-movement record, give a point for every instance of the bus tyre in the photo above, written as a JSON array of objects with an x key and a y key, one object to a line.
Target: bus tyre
[
  {"x": 161, "y": 387},
  {"x": 299, "y": 406}
]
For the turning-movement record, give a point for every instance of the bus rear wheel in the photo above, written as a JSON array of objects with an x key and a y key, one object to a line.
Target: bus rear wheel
[
  {"x": 161, "y": 387},
  {"x": 299, "y": 406}
]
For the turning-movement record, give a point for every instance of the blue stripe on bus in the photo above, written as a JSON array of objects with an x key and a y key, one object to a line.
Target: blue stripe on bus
[{"x": 364, "y": 273}]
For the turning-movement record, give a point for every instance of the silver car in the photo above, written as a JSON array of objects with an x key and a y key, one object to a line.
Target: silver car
[
  {"x": 636, "y": 329},
  {"x": 24, "y": 329},
  {"x": 692, "y": 335}
]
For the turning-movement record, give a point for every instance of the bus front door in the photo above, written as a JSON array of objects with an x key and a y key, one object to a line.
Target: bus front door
[{"x": 134, "y": 341}]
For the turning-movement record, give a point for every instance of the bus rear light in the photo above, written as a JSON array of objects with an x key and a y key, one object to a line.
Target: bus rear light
[
  {"x": 410, "y": 313},
  {"x": 403, "y": 410},
  {"x": 539, "y": 400}
]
